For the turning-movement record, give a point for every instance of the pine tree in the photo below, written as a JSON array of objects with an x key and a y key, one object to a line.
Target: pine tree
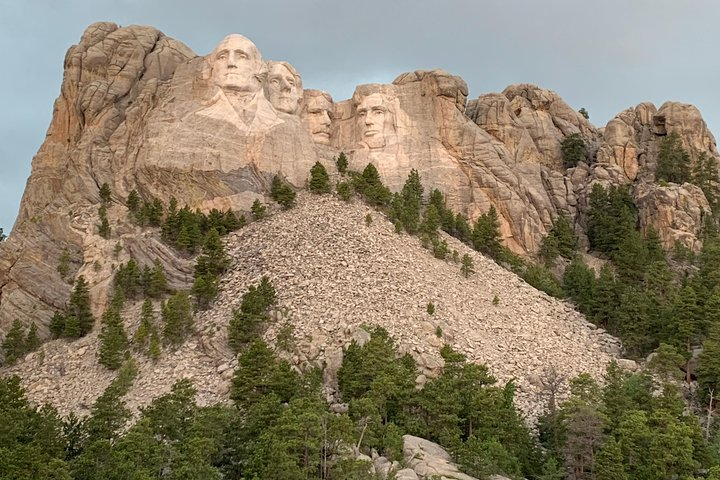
[
  {"x": 144, "y": 330},
  {"x": 258, "y": 210},
  {"x": 14, "y": 343},
  {"x": 281, "y": 192},
  {"x": 705, "y": 175},
  {"x": 133, "y": 202},
  {"x": 342, "y": 163},
  {"x": 574, "y": 150},
  {"x": 32, "y": 340},
  {"x": 579, "y": 284},
  {"x": 369, "y": 185},
  {"x": 486, "y": 234},
  {"x": 609, "y": 462},
  {"x": 156, "y": 283},
  {"x": 57, "y": 325},
  {"x": 467, "y": 266},
  {"x": 177, "y": 318},
  {"x": 105, "y": 193},
  {"x": 104, "y": 227},
  {"x": 113, "y": 340},
  {"x": 79, "y": 320},
  {"x": 319, "y": 179},
  {"x": 408, "y": 210},
  {"x": 611, "y": 217},
  {"x": 673, "y": 162},
  {"x": 462, "y": 228},
  {"x": 344, "y": 191},
  {"x": 708, "y": 366}
]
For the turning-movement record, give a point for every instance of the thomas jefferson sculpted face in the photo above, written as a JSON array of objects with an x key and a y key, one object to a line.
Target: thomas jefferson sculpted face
[
  {"x": 283, "y": 87},
  {"x": 236, "y": 65}
]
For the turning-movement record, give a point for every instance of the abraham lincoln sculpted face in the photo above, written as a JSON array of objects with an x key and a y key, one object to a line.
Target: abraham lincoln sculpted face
[{"x": 374, "y": 120}]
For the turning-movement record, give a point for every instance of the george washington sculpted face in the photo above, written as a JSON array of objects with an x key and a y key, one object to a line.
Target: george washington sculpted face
[{"x": 236, "y": 65}]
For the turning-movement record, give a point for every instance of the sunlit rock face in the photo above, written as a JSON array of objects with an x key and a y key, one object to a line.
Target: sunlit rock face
[{"x": 141, "y": 111}]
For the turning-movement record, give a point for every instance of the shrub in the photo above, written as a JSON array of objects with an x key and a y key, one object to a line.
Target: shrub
[
  {"x": 281, "y": 192},
  {"x": 673, "y": 162},
  {"x": 341, "y": 163}
]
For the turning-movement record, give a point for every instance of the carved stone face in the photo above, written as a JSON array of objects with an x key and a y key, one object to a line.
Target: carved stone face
[
  {"x": 282, "y": 89},
  {"x": 236, "y": 65},
  {"x": 318, "y": 111},
  {"x": 374, "y": 120}
]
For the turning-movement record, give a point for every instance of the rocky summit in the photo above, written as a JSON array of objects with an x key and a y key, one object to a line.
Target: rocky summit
[{"x": 141, "y": 112}]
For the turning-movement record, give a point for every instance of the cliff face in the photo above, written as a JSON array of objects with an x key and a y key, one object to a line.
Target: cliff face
[{"x": 139, "y": 110}]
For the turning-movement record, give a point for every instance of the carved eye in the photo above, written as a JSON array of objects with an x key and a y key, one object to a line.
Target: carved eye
[
  {"x": 222, "y": 56},
  {"x": 274, "y": 81}
]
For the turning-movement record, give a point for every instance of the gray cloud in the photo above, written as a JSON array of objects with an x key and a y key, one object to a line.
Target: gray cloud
[{"x": 602, "y": 56}]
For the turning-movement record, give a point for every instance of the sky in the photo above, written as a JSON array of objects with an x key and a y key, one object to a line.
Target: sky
[{"x": 602, "y": 56}]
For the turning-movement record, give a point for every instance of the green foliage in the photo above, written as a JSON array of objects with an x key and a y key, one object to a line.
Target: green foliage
[
  {"x": 368, "y": 220},
  {"x": 177, "y": 316},
  {"x": 584, "y": 113},
  {"x": 208, "y": 268},
  {"x": 673, "y": 162},
  {"x": 133, "y": 202},
  {"x": 319, "y": 179},
  {"x": 488, "y": 457},
  {"x": 342, "y": 163},
  {"x": 105, "y": 193},
  {"x": 63, "y": 267},
  {"x": 282, "y": 193},
  {"x": 344, "y": 191},
  {"x": 486, "y": 234},
  {"x": 574, "y": 150},
  {"x": 258, "y": 210},
  {"x": 560, "y": 241},
  {"x": 129, "y": 279},
  {"x": 430, "y": 308},
  {"x": 247, "y": 322},
  {"x": 611, "y": 217},
  {"x": 370, "y": 187},
  {"x": 14, "y": 346},
  {"x": 541, "y": 278},
  {"x": 31, "y": 439},
  {"x": 114, "y": 343},
  {"x": 708, "y": 366},
  {"x": 104, "y": 227},
  {"x": 705, "y": 176},
  {"x": 408, "y": 204},
  {"x": 467, "y": 266},
  {"x": 77, "y": 321}
]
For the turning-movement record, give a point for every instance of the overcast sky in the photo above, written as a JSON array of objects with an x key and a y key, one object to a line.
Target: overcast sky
[{"x": 604, "y": 56}]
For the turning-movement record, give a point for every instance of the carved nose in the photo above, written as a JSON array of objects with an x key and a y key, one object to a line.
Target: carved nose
[
  {"x": 325, "y": 118},
  {"x": 285, "y": 85}
]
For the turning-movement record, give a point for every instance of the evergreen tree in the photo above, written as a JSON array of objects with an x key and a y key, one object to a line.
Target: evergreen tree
[
  {"x": 13, "y": 345},
  {"x": 141, "y": 338},
  {"x": 486, "y": 234},
  {"x": 410, "y": 202},
  {"x": 609, "y": 462},
  {"x": 104, "y": 227},
  {"x": 467, "y": 265},
  {"x": 32, "y": 341},
  {"x": 573, "y": 150},
  {"x": 611, "y": 217},
  {"x": 177, "y": 319},
  {"x": 156, "y": 283},
  {"x": 708, "y": 366},
  {"x": 281, "y": 192},
  {"x": 63, "y": 267},
  {"x": 705, "y": 175},
  {"x": 447, "y": 217},
  {"x": 560, "y": 241},
  {"x": 133, "y": 202},
  {"x": 342, "y": 163},
  {"x": 105, "y": 193},
  {"x": 258, "y": 210},
  {"x": 579, "y": 283},
  {"x": 319, "y": 179},
  {"x": 462, "y": 228},
  {"x": 584, "y": 113},
  {"x": 79, "y": 320},
  {"x": 113, "y": 340},
  {"x": 57, "y": 325},
  {"x": 344, "y": 191},
  {"x": 369, "y": 185},
  {"x": 673, "y": 162},
  {"x": 430, "y": 222}
]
